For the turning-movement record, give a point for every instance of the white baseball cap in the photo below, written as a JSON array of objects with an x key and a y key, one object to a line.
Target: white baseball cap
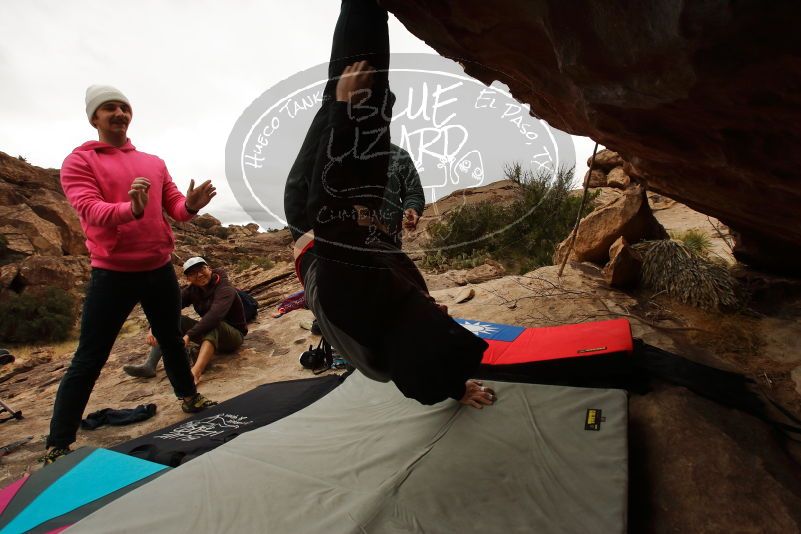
[{"x": 191, "y": 262}]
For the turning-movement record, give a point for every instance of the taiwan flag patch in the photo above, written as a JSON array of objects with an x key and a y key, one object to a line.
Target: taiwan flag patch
[{"x": 498, "y": 332}]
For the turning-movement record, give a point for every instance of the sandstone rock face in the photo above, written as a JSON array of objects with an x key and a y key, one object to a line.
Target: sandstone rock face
[
  {"x": 623, "y": 269},
  {"x": 20, "y": 174},
  {"x": 34, "y": 213},
  {"x": 795, "y": 375},
  {"x": 718, "y": 479},
  {"x": 701, "y": 98},
  {"x": 68, "y": 272},
  {"x": 52, "y": 207},
  {"x": 617, "y": 178},
  {"x": 606, "y": 160},
  {"x": 17, "y": 242},
  {"x": 44, "y": 236},
  {"x": 629, "y": 216},
  {"x": 7, "y": 275},
  {"x": 482, "y": 273},
  {"x": 596, "y": 178}
]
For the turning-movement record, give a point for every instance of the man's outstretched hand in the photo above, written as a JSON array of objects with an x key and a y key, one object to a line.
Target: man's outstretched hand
[
  {"x": 197, "y": 199},
  {"x": 477, "y": 395},
  {"x": 138, "y": 193},
  {"x": 354, "y": 80}
]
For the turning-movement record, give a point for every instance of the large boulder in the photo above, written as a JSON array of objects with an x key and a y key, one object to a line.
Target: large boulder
[
  {"x": 206, "y": 221},
  {"x": 43, "y": 235},
  {"x": 595, "y": 178},
  {"x": 629, "y": 216},
  {"x": 8, "y": 273},
  {"x": 53, "y": 207},
  {"x": 618, "y": 178},
  {"x": 10, "y": 195},
  {"x": 16, "y": 242},
  {"x": 25, "y": 176},
  {"x": 623, "y": 269},
  {"x": 68, "y": 273},
  {"x": 490, "y": 270},
  {"x": 605, "y": 160},
  {"x": 701, "y": 467},
  {"x": 701, "y": 97}
]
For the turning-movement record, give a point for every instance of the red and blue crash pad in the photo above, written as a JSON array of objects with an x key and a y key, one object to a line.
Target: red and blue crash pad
[
  {"x": 68, "y": 490},
  {"x": 593, "y": 354},
  {"x": 509, "y": 345}
]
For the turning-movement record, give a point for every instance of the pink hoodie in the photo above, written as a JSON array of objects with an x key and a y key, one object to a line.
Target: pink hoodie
[{"x": 96, "y": 178}]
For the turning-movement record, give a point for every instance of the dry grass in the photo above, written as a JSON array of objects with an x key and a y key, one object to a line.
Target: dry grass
[{"x": 26, "y": 351}]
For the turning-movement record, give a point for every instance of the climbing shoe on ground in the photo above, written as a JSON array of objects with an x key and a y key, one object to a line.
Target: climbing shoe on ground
[
  {"x": 54, "y": 454},
  {"x": 196, "y": 404}
]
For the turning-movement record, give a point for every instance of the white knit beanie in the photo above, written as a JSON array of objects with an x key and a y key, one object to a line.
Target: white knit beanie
[{"x": 97, "y": 95}]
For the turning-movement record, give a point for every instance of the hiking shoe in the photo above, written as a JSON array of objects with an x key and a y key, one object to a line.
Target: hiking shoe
[
  {"x": 139, "y": 371},
  {"x": 196, "y": 404},
  {"x": 54, "y": 454}
]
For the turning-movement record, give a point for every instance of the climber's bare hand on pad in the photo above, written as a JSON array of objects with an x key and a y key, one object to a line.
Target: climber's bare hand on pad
[{"x": 477, "y": 395}]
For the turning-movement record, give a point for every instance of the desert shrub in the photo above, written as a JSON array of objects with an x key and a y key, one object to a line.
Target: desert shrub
[
  {"x": 514, "y": 172},
  {"x": 522, "y": 234},
  {"x": 247, "y": 263},
  {"x": 683, "y": 273},
  {"x": 39, "y": 317},
  {"x": 695, "y": 240},
  {"x": 437, "y": 261}
]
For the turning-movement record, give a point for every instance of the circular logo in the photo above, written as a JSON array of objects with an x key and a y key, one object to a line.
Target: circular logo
[{"x": 457, "y": 132}]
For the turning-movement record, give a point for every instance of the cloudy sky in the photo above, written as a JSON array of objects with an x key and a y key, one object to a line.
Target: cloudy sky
[{"x": 190, "y": 69}]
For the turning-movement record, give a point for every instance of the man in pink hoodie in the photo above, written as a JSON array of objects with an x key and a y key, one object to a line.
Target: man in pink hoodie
[{"x": 121, "y": 195}]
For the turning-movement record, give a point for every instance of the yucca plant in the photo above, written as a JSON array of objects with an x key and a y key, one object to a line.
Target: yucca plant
[{"x": 687, "y": 275}]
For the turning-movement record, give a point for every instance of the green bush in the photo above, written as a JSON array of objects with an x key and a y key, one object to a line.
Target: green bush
[
  {"x": 522, "y": 235},
  {"x": 695, "y": 240},
  {"x": 247, "y": 263},
  {"x": 38, "y": 317}
]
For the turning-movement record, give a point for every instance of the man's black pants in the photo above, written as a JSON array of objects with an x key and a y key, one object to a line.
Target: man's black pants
[{"x": 110, "y": 297}]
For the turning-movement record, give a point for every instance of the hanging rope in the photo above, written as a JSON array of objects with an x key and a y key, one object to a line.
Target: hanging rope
[{"x": 581, "y": 208}]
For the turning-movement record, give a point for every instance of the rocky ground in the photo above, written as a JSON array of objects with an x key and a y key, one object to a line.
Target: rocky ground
[{"x": 695, "y": 466}]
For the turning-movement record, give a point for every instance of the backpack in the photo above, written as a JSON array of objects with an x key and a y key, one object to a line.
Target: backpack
[{"x": 249, "y": 304}]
